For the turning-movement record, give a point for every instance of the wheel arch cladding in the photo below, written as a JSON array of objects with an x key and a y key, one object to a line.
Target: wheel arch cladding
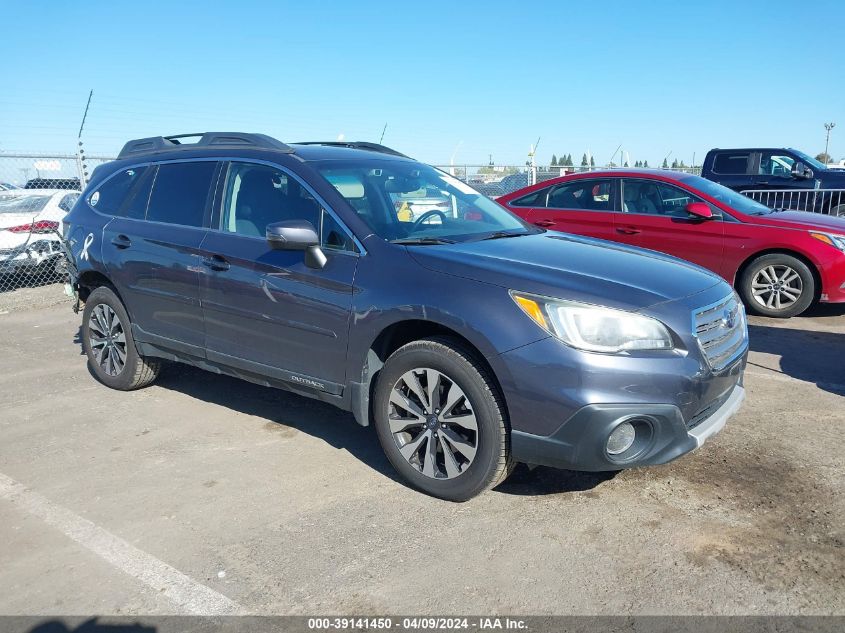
[
  {"x": 90, "y": 280},
  {"x": 390, "y": 339}
]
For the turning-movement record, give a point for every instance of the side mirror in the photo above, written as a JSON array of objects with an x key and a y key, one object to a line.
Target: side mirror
[
  {"x": 699, "y": 210},
  {"x": 800, "y": 170},
  {"x": 297, "y": 235}
]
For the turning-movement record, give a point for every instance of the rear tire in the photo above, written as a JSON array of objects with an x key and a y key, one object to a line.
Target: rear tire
[
  {"x": 441, "y": 420},
  {"x": 777, "y": 285},
  {"x": 107, "y": 340}
]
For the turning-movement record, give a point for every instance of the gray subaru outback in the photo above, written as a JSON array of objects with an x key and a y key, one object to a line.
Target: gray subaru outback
[{"x": 470, "y": 339}]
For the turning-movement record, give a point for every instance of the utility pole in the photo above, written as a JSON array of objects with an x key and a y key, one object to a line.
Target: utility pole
[
  {"x": 613, "y": 155},
  {"x": 533, "y": 164},
  {"x": 828, "y": 127},
  {"x": 80, "y": 153},
  {"x": 452, "y": 159}
]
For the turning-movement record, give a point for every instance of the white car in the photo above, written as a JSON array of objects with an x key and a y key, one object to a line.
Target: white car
[{"x": 29, "y": 222}]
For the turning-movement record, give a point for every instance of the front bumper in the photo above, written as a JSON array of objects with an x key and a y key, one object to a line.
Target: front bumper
[
  {"x": 579, "y": 443},
  {"x": 833, "y": 280}
]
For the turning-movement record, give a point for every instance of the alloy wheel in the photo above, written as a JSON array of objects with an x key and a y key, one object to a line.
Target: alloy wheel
[
  {"x": 433, "y": 423},
  {"x": 777, "y": 287},
  {"x": 107, "y": 339}
]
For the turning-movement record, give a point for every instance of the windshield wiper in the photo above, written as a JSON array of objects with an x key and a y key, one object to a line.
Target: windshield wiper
[
  {"x": 502, "y": 234},
  {"x": 425, "y": 241}
]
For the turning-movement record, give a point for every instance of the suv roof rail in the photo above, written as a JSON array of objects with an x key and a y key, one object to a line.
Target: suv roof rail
[
  {"x": 155, "y": 144},
  {"x": 364, "y": 145}
]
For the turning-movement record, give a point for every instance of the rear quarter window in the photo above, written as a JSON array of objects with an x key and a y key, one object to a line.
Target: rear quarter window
[
  {"x": 110, "y": 197},
  {"x": 535, "y": 199}
]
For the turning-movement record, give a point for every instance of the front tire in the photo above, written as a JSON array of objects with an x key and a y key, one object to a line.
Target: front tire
[
  {"x": 441, "y": 420},
  {"x": 107, "y": 340},
  {"x": 777, "y": 285}
]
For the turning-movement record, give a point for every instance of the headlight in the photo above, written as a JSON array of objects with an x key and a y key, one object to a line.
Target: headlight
[
  {"x": 837, "y": 241},
  {"x": 594, "y": 328}
]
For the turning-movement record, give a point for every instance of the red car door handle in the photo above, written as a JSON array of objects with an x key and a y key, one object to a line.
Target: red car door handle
[
  {"x": 628, "y": 230},
  {"x": 544, "y": 223}
]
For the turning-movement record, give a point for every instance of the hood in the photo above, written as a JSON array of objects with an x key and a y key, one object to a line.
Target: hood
[
  {"x": 571, "y": 267},
  {"x": 831, "y": 178},
  {"x": 802, "y": 220}
]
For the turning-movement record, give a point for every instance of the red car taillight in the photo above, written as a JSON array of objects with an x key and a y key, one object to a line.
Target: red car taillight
[{"x": 42, "y": 226}]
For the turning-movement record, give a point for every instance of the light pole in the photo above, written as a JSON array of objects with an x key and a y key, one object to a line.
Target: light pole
[{"x": 828, "y": 127}]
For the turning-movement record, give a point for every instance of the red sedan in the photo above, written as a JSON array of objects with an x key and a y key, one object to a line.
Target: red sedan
[{"x": 780, "y": 262}]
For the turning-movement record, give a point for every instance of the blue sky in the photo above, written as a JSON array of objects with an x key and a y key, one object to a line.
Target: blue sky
[{"x": 480, "y": 77}]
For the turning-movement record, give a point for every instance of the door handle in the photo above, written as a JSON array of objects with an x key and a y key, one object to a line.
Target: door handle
[
  {"x": 215, "y": 262},
  {"x": 628, "y": 230},
  {"x": 121, "y": 241},
  {"x": 544, "y": 223}
]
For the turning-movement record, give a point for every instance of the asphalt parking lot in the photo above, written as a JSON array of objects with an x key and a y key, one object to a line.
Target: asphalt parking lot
[{"x": 204, "y": 494}]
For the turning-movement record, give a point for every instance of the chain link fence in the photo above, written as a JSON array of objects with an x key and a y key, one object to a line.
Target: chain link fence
[
  {"x": 36, "y": 191},
  {"x": 497, "y": 180}
]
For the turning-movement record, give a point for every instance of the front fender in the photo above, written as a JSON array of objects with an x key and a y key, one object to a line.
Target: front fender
[{"x": 483, "y": 314}]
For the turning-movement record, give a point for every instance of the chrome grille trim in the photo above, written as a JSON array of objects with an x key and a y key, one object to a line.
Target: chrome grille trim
[{"x": 721, "y": 331}]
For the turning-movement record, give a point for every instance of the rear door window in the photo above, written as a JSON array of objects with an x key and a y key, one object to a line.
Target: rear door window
[
  {"x": 180, "y": 193},
  {"x": 731, "y": 163},
  {"x": 583, "y": 195}
]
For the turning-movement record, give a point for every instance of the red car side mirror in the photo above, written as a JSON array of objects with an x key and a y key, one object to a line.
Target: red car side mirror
[{"x": 699, "y": 210}]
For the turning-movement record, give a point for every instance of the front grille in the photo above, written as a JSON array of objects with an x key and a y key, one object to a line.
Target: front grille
[{"x": 721, "y": 331}]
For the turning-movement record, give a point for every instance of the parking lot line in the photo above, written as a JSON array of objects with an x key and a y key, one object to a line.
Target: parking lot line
[{"x": 188, "y": 595}]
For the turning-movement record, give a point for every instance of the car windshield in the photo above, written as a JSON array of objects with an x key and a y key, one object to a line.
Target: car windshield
[
  {"x": 734, "y": 200},
  {"x": 408, "y": 202},
  {"x": 809, "y": 161},
  {"x": 23, "y": 204}
]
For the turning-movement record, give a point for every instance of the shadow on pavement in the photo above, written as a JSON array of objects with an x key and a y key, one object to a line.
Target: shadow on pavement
[
  {"x": 335, "y": 427},
  {"x": 824, "y": 311},
  {"x": 550, "y": 481},
  {"x": 806, "y": 355}
]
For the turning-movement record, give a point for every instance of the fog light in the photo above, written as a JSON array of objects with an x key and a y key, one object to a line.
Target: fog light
[{"x": 621, "y": 439}]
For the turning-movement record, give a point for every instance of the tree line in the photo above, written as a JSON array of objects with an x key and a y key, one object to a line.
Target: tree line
[{"x": 566, "y": 161}]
